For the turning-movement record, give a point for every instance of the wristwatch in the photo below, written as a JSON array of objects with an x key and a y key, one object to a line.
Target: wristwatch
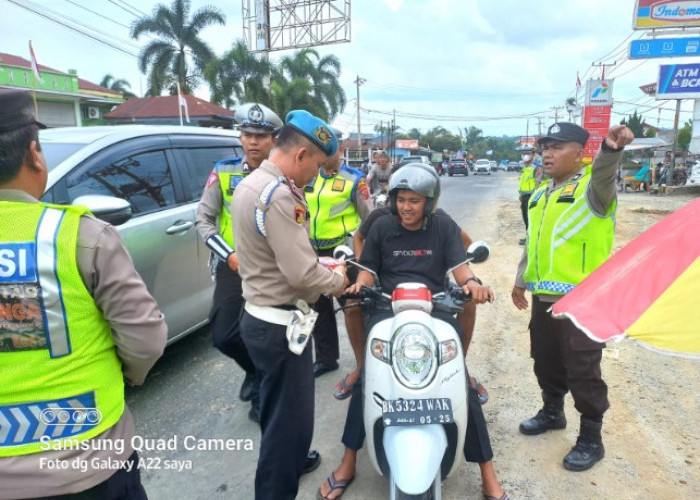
[{"x": 473, "y": 278}]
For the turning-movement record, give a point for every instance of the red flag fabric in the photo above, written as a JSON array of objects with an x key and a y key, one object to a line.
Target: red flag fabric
[
  {"x": 35, "y": 65},
  {"x": 578, "y": 81}
]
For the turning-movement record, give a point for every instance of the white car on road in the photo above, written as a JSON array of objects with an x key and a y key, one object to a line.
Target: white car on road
[{"x": 482, "y": 167}]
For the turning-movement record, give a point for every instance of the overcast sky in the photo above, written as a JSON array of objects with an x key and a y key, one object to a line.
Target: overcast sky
[{"x": 454, "y": 63}]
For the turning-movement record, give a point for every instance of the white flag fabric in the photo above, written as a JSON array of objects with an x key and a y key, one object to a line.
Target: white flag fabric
[
  {"x": 182, "y": 103},
  {"x": 35, "y": 65}
]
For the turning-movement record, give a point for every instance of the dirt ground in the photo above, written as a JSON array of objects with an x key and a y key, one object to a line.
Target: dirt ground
[{"x": 651, "y": 431}]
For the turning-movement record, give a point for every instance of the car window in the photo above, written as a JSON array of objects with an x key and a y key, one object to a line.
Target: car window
[
  {"x": 201, "y": 161},
  {"x": 56, "y": 152},
  {"x": 144, "y": 180}
]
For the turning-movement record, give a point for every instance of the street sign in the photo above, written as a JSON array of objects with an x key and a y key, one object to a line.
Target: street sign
[
  {"x": 599, "y": 93},
  {"x": 654, "y": 14},
  {"x": 664, "y": 47},
  {"x": 678, "y": 81}
]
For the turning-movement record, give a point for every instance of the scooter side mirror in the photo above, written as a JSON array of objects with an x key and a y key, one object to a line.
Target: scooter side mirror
[
  {"x": 478, "y": 252},
  {"x": 343, "y": 252}
]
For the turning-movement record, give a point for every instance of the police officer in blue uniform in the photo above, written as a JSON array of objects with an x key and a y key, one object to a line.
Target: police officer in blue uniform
[{"x": 258, "y": 125}]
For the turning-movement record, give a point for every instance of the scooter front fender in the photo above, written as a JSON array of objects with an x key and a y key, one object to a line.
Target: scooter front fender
[{"x": 414, "y": 454}]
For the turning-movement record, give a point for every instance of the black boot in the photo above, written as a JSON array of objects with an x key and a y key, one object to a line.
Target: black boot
[
  {"x": 550, "y": 417},
  {"x": 589, "y": 447}
]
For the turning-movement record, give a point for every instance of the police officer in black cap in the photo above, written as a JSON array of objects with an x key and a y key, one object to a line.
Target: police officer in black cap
[
  {"x": 258, "y": 125},
  {"x": 572, "y": 224},
  {"x": 77, "y": 322}
]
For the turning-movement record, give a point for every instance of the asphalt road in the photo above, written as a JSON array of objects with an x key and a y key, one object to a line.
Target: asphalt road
[{"x": 190, "y": 398}]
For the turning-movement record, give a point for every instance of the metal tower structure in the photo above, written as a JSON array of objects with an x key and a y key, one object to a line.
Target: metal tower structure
[{"x": 270, "y": 25}]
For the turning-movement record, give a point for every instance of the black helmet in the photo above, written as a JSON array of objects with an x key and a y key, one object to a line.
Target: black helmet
[{"x": 418, "y": 177}]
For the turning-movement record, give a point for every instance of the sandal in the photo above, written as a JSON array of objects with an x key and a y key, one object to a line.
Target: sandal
[
  {"x": 505, "y": 496},
  {"x": 343, "y": 389},
  {"x": 482, "y": 394},
  {"x": 335, "y": 485}
]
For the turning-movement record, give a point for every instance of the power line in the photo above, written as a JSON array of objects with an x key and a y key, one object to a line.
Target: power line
[
  {"x": 128, "y": 8},
  {"x": 73, "y": 28}
]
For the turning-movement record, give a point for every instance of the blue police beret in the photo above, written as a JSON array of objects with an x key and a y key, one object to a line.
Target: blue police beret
[{"x": 314, "y": 129}]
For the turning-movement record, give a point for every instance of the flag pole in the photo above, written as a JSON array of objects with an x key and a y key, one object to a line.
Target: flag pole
[{"x": 179, "y": 102}]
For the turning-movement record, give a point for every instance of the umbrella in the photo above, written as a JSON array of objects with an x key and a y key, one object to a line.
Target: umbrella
[{"x": 649, "y": 290}]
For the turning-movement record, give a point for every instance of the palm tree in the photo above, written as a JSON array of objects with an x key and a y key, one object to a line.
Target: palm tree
[
  {"x": 297, "y": 93},
  {"x": 119, "y": 85},
  {"x": 323, "y": 74},
  {"x": 238, "y": 73},
  {"x": 177, "y": 41}
]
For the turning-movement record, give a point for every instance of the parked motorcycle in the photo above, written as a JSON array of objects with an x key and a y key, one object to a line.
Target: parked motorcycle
[{"x": 415, "y": 388}]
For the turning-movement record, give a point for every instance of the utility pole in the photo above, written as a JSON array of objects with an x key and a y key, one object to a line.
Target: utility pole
[
  {"x": 603, "y": 65},
  {"x": 672, "y": 166},
  {"x": 359, "y": 81},
  {"x": 556, "y": 112},
  {"x": 539, "y": 126}
]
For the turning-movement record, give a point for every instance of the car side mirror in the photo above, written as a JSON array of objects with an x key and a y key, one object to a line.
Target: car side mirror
[
  {"x": 478, "y": 252},
  {"x": 110, "y": 209}
]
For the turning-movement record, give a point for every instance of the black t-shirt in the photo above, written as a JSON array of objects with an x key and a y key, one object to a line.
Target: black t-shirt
[{"x": 399, "y": 255}]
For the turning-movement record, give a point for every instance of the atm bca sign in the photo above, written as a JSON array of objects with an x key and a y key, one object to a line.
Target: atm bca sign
[{"x": 678, "y": 81}]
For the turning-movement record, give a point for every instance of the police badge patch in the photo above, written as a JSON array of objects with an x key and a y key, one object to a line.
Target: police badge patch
[
  {"x": 255, "y": 114},
  {"x": 299, "y": 214},
  {"x": 363, "y": 189},
  {"x": 323, "y": 135}
]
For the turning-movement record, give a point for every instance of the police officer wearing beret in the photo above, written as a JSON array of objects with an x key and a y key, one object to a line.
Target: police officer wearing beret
[
  {"x": 570, "y": 234},
  {"x": 258, "y": 125},
  {"x": 76, "y": 320},
  {"x": 281, "y": 273}
]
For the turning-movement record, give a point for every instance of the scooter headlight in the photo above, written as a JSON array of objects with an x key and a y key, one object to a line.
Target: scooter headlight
[{"x": 414, "y": 355}]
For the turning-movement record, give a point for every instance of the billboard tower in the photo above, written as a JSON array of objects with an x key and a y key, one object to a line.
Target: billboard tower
[{"x": 270, "y": 25}]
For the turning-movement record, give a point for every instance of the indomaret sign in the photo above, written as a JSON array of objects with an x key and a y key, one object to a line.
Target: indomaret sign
[{"x": 650, "y": 14}]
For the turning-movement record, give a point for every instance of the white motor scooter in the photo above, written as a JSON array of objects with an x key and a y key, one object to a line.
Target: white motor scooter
[{"x": 415, "y": 386}]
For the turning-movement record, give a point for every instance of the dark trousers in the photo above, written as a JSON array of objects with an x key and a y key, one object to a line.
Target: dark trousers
[
  {"x": 567, "y": 360},
  {"x": 325, "y": 333},
  {"x": 477, "y": 445},
  {"x": 286, "y": 408},
  {"x": 225, "y": 317},
  {"x": 122, "y": 485},
  {"x": 524, "y": 201}
]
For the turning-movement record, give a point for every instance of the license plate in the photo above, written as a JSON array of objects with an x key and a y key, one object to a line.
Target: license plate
[{"x": 417, "y": 411}]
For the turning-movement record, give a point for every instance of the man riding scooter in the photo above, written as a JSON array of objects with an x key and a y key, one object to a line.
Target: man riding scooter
[{"x": 415, "y": 246}]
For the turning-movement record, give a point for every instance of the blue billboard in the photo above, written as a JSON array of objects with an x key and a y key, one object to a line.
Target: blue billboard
[
  {"x": 678, "y": 81},
  {"x": 664, "y": 47}
]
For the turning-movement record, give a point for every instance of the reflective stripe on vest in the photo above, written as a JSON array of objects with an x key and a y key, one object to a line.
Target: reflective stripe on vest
[
  {"x": 527, "y": 180},
  {"x": 566, "y": 239},
  {"x": 230, "y": 173},
  {"x": 331, "y": 208},
  {"x": 55, "y": 419},
  {"x": 54, "y": 311}
]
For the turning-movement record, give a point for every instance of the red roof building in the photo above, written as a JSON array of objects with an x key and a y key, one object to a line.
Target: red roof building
[{"x": 165, "y": 110}]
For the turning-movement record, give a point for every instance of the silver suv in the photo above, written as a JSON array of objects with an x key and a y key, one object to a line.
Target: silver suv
[{"x": 147, "y": 181}]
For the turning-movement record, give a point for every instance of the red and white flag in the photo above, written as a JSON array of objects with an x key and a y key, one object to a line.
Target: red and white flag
[
  {"x": 182, "y": 103},
  {"x": 35, "y": 65},
  {"x": 578, "y": 81}
]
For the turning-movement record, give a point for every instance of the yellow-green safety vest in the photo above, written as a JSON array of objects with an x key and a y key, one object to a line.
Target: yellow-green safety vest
[
  {"x": 60, "y": 378},
  {"x": 230, "y": 173},
  {"x": 331, "y": 209},
  {"x": 528, "y": 183},
  {"x": 567, "y": 241}
]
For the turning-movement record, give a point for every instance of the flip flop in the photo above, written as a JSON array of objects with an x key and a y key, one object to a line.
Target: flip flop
[
  {"x": 343, "y": 389},
  {"x": 481, "y": 391},
  {"x": 505, "y": 496},
  {"x": 335, "y": 485}
]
